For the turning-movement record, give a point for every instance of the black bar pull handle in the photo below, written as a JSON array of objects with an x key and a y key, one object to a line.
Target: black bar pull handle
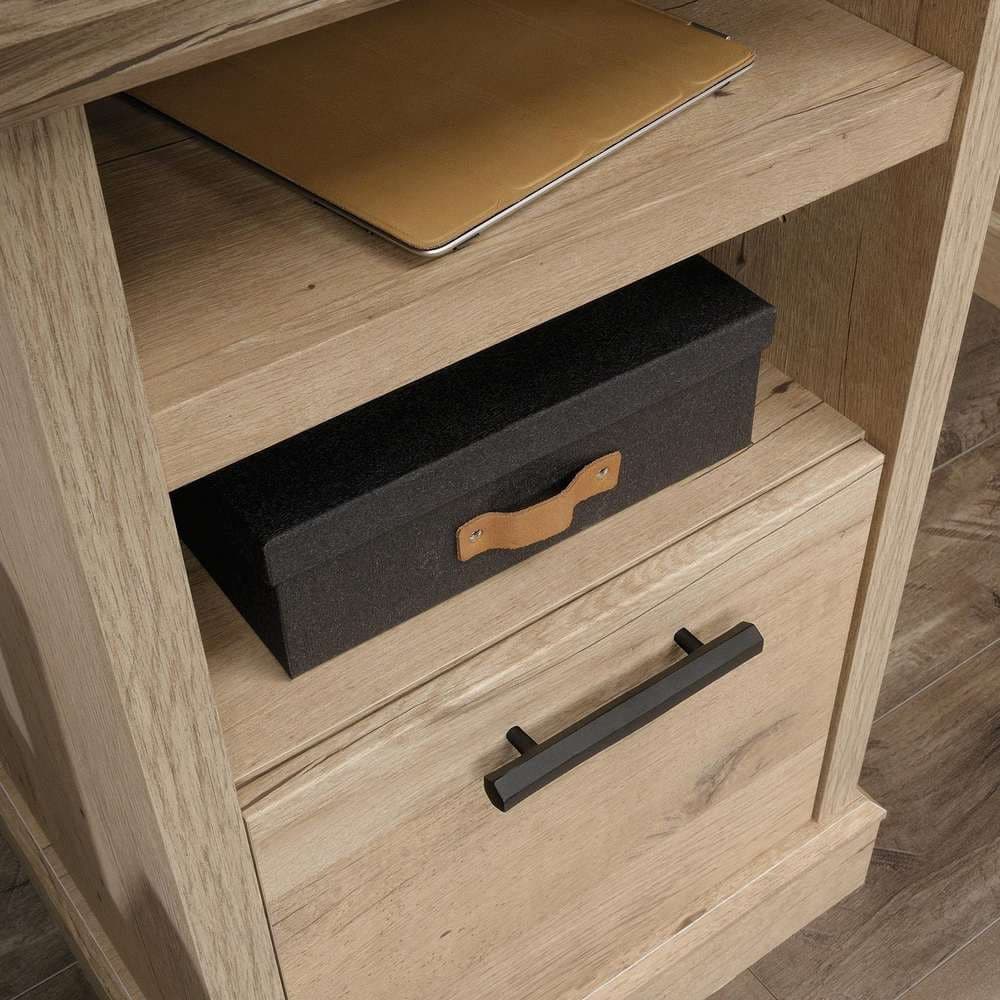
[{"x": 540, "y": 763}]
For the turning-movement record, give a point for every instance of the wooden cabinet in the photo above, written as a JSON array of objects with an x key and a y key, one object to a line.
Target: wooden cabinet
[
  {"x": 169, "y": 309},
  {"x": 388, "y": 873}
]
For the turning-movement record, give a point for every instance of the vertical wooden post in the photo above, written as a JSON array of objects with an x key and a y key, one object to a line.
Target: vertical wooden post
[
  {"x": 873, "y": 288},
  {"x": 116, "y": 740}
]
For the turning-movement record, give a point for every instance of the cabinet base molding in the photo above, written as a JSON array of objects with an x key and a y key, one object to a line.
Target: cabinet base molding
[
  {"x": 785, "y": 894},
  {"x": 90, "y": 944},
  {"x": 827, "y": 864}
]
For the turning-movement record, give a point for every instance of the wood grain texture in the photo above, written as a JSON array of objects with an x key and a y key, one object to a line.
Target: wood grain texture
[
  {"x": 258, "y": 314},
  {"x": 951, "y": 604},
  {"x": 266, "y": 719},
  {"x": 785, "y": 895},
  {"x": 901, "y": 17},
  {"x": 458, "y": 940},
  {"x": 988, "y": 279},
  {"x": 931, "y": 227},
  {"x": 59, "y": 53},
  {"x": 124, "y": 764},
  {"x": 744, "y": 987},
  {"x": 803, "y": 262},
  {"x": 973, "y": 413},
  {"x": 934, "y": 882},
  {"x": 373, "y": 859},
  {"x": 891, "y": 279},
  {"x": 65, "y": 906},
  {"x": 972, "y": 974}
]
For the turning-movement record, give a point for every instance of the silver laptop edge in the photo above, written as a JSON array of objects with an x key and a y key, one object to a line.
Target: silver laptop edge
[{"x": 527, "y": 199}]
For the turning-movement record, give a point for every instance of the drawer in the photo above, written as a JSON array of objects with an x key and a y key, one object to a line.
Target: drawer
[{"x": 389, "y": 874}]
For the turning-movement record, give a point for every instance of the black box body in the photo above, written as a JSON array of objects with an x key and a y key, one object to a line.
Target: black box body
[{"x": 348, "y": 529}]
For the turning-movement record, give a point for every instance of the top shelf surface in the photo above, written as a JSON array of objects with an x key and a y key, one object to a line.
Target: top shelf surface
[{"x": 258, "y": 314}]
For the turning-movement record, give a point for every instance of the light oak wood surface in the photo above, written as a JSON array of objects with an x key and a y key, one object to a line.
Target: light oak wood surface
[
  {"x": 876, "y": 327},
  {"x": 267, "y": 719},
  {"x": 826, "y": 867},
  {"x": 123, "y": 760},
  {"x": 373, "y": 857},
  {"x": 59, "y": 53},
  {"x": 782, "y": 888},
  {"x": 456, "y": 939},
  {"x": 258, "y": 314},
  {"x": 952, "y": 191}
]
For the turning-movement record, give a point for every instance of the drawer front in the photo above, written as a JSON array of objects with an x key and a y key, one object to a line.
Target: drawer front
[{"x": 389, "y": 874}]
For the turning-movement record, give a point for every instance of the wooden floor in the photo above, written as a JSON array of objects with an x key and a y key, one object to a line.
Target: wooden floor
[{"x": 927, "y": 924}]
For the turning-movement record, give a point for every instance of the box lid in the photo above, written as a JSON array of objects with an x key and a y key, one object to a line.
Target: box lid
[{"x": 372, "y": 469}]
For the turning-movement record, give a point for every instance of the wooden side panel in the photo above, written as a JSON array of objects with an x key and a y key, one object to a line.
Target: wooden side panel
[
  {"x": 874, "y": 286},
  {"x": 125, "y": 764}
]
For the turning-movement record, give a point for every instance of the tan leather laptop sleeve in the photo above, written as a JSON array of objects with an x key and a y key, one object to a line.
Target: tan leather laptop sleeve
[{"x": 426, "y": 118}]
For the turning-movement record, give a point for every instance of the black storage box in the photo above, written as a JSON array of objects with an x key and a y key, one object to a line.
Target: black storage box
[{"x": 349, "y": 528}]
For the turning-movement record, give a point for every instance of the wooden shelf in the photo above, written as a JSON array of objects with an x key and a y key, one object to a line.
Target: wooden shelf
[
  {"x": 266, "y": 718},
  {"x": 56, "y": 55},
  {"x": 258, "y": 314}
]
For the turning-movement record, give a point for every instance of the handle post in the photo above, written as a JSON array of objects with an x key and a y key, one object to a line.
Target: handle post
[
  {"x": 520, "y": 740},
  {"x": 687, "y": 641}
]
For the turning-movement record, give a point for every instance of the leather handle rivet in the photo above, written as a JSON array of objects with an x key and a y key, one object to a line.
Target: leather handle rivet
[
  {"x": 476, "y": 535},
  {"x": 603, "y": 473}
]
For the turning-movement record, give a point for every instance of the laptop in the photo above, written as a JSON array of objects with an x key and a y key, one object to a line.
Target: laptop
[{"x": 428, "y": 121}]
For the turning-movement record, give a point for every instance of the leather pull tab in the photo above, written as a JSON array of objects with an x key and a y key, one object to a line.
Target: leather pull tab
[{"x": 543, "y": 520}]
